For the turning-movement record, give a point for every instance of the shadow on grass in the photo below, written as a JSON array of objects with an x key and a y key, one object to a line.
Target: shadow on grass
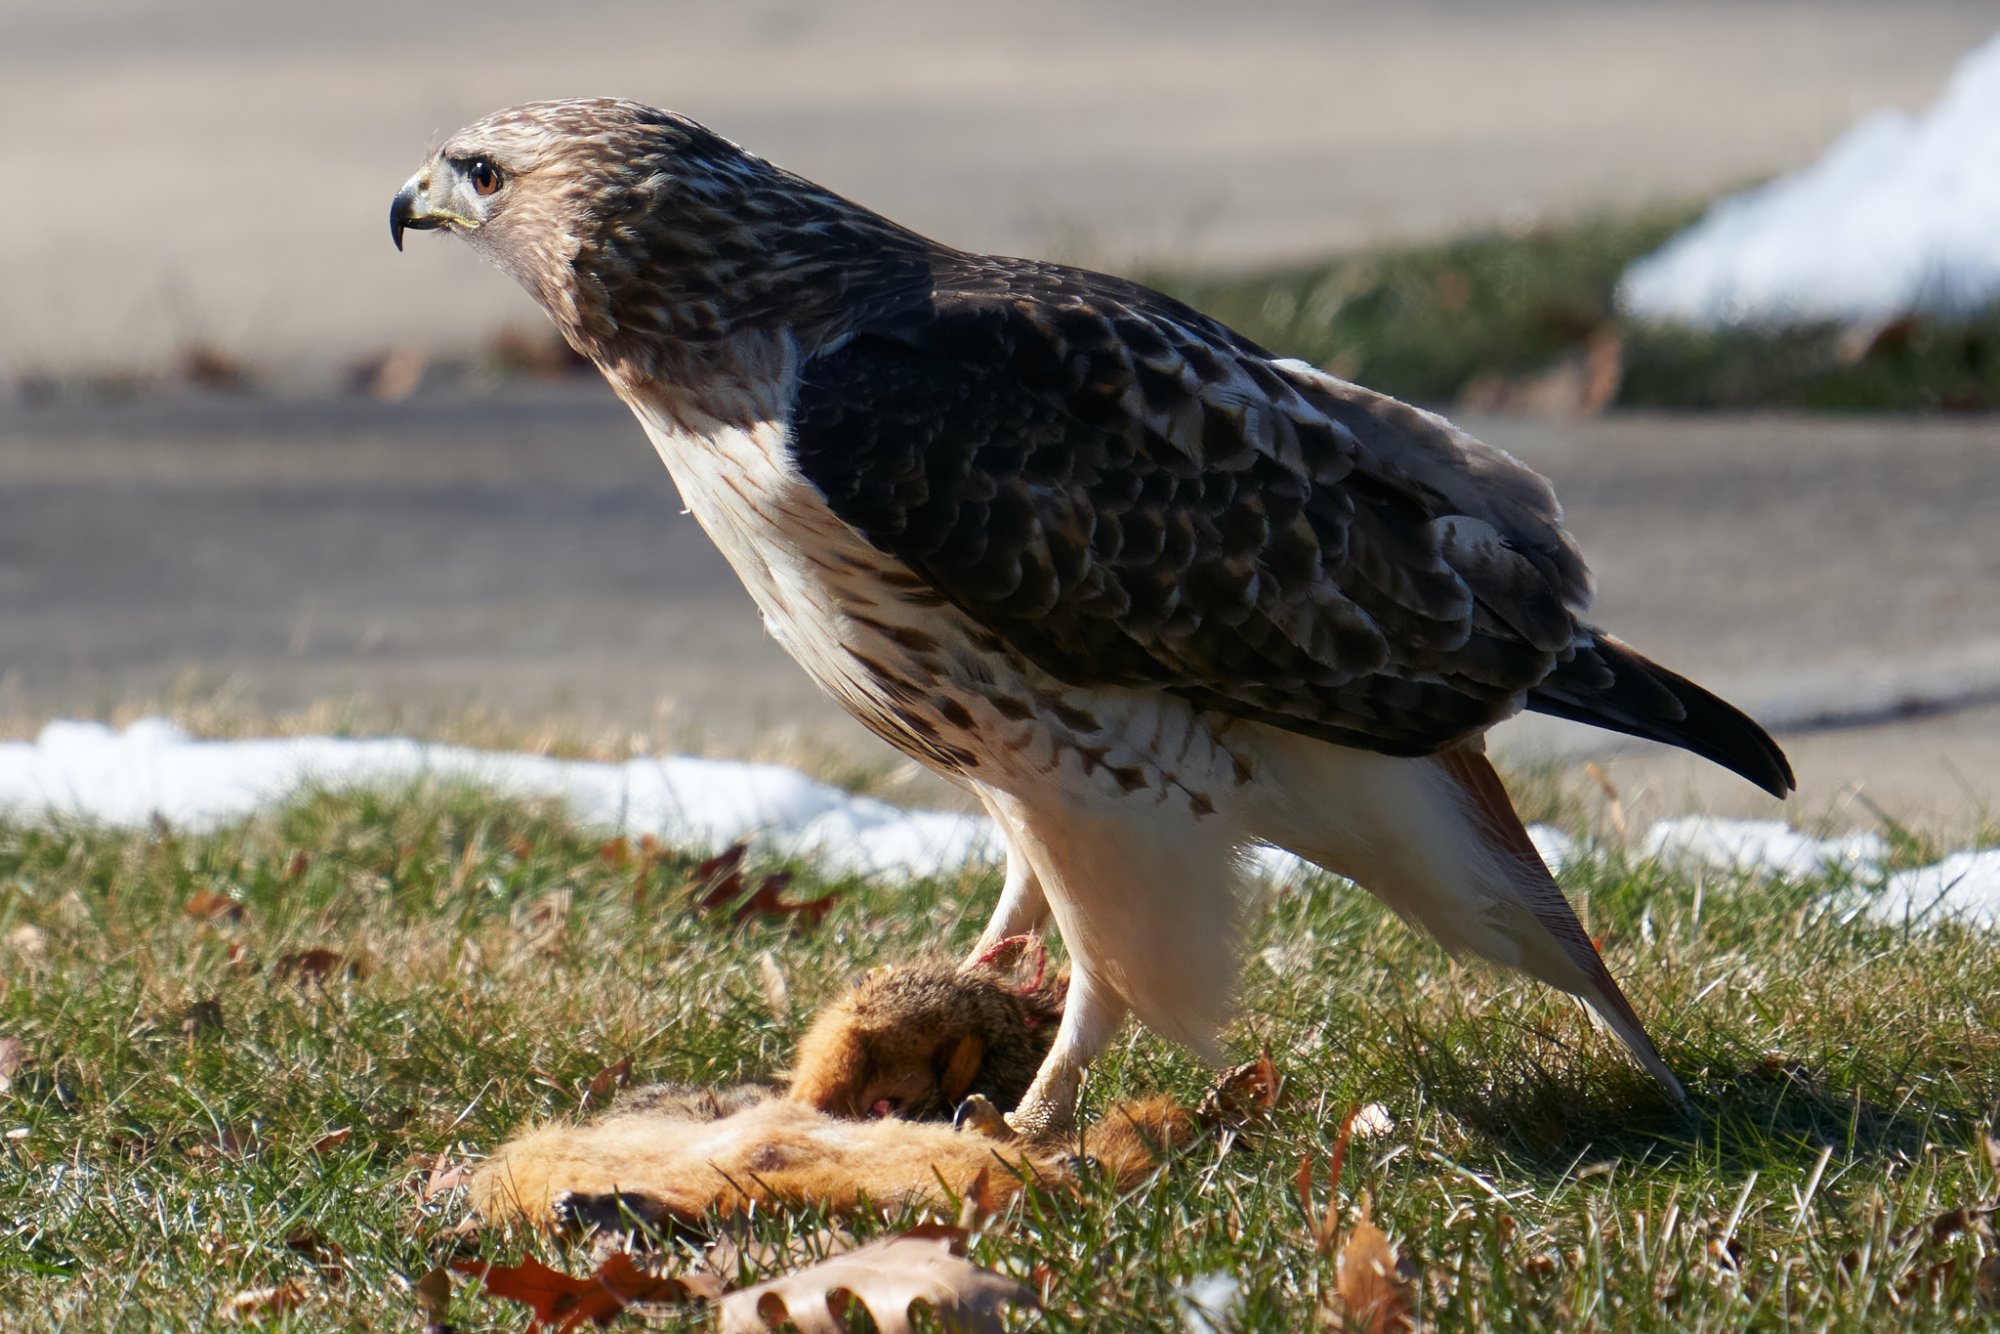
[{"x": 1547, "y": 1119}]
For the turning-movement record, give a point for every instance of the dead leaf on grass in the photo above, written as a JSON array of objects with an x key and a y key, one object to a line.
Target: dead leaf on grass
[
  {"x": 333, "y": 1139},
  {"x": 769, "y": 902},
  {"x": 326, "y": 1256},
  {"x": 719, "y": 883},
  {"x": 887, "y": 1277},
  {"x": 777, "y": 992},
  {"x": 265, "y": 1301},
  {"x": 227, "y": 1143},
  {"x": 444, "y": 1175},
  {"x": 980, "y": 1202},
  {"x": 561, "y": 1302},
  {"x": 319, "y": 966},
  {"x": 1246, "y": 1092},
  {"x": 214, "y": 907},
  {"x": 203, "y": 1019},
  {"x": 1375, "y": 1284},
  {"x": 13, "y": 1059},
  {"x": 543, "y": 921},
  {"x": 614, "y": 1076},
  {"x": 29, "y": 941},
  {"x": 434, "y": 1299}
]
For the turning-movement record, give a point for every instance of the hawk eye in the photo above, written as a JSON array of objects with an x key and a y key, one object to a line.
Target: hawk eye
[{"x": 484, "y": 175}]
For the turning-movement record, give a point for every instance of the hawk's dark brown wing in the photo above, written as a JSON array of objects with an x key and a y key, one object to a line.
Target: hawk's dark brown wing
[{"x": 1132, "y": 495}]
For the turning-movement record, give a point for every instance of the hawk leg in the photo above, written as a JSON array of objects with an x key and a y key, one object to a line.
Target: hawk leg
[
  {"x": 1023, "y": 907},
  {"x": 1091, "y": 1017}
]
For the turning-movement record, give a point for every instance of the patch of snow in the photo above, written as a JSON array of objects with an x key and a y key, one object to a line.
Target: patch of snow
[
  {"x": 1557, "y": 848},
  {"x": 1761, "y": 847},
  {"x": 1208, "y": 1303},
  {"x": 91, "y": 772},
  {"x": 1964, "y": 887},
  {"x": 1901, "y": 215},
  {"x": 152, "y": 769}
]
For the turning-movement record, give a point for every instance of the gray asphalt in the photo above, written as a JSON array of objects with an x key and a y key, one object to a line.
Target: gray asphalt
[
  {"x": 524, "y": 551},
  {"x": 220, "y": 170}
]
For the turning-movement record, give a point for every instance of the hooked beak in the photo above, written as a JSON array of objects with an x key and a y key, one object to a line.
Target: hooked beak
[{"x": 410, "y": 211}]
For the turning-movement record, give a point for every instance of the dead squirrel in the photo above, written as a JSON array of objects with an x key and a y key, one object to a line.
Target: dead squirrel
[{"x": 914, "y": 1042}]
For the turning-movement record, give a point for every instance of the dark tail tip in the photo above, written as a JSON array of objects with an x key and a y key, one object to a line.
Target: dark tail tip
[{"x": 1609, "y": 685}]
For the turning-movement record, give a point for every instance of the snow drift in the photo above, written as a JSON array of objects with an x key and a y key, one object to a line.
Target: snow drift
[{"x": 1901, "y": 216}]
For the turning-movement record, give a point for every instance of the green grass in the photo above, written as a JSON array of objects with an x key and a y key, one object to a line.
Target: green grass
[
  {"x": 1537, "y": 1180},
  {"x": 1424, "y": 322}
]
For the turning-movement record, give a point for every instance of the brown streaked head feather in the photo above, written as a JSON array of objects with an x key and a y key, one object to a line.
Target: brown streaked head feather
[{"x": 661, "y": 249}]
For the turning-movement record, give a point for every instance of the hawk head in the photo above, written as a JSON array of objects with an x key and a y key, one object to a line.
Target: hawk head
[{"x": 659, "y": 248}]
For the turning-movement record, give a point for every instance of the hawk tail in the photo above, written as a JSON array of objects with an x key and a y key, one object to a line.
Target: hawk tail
[
  {"x": 1437, "y": 839},
  {"x": 1499, "y": 824},
  {"x": 1611, "y": 686}
]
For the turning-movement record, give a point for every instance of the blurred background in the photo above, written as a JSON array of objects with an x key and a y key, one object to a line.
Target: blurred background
[{"x": 1726, "y": 272}]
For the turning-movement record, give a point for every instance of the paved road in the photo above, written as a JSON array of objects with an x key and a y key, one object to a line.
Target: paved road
[
  {"x": 221, "y": 169},
  {"x": 524, "y": 551}
]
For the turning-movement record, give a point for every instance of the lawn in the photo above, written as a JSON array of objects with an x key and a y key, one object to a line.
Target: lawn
[
  {"x": 1433, "y": 322},
  {"x": 247, "y": 1050}
]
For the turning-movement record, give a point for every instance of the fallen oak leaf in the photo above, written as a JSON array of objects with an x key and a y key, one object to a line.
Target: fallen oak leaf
[
  {"x": 614, "y": 1076},
  {"x": 1373, "y": 1281},
  {"x": 777, "y": 992},
  {"x": 445, "y": 1175},
  {"x": 318, "y": 965},
  {"x": 561, "y": 1302},
  {"x": 1242, "y": 1094},
  {"x": 13, "y": 1059},
  {"x": 264, "y": 1301},
  {"x": 768, "y": 901},
  {"x": 326, "y": 1256},
  {"x": 887, "y": 1277},
  {"x": 208, "y": 904},
  {"x": 718, "y": 879},
  {"x": 434, "y": 1299}
]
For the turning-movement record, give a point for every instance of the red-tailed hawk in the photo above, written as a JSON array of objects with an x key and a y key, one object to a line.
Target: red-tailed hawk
[{"x": 1151, "y": 593}]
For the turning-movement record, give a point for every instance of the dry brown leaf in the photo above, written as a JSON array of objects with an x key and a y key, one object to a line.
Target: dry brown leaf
[
  {"x": 206, "y": 903},
  {"x": 333, "y": 1139},
  {"x": 777, "y": 992},
  {"x": 445, "y": 1175},
  {"x": 980, "y": 1203},
  {"x": 229, "y": 1143},
  {"x": 318, "y": 966},
  {"x": 203, "y": 1019},
  {"x": 615, "y": 1076},
  {"x": 434, "y": 1298},
  {"x": 326, "y": 1256},
  {"x": 718, "y": 879},
  {"x": 29, "y": 941},
  {"x": 1375, "y": 1285},
  {"x": 1248, "y": 1091},
  {"x": 543, "y": 921},
  {"x": 887, "y": 1277},
  {"x": 769, "y": 902},
  {"x": 13, "y": 1058},
  {"x": 735, "y": 1252},
  {"x": 263, "y": 1301},
  {"x": 561, "y": 1302}
]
